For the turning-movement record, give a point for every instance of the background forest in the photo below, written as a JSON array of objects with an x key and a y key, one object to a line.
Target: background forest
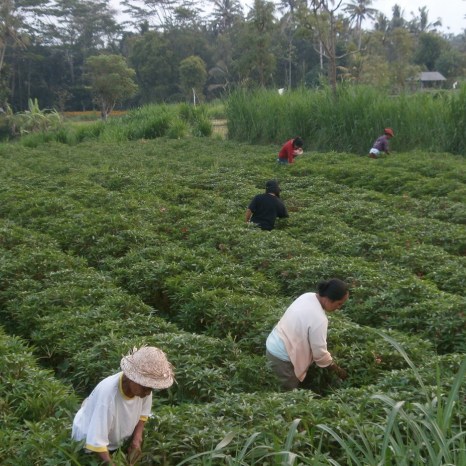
[{"x": 180, "y": 47}]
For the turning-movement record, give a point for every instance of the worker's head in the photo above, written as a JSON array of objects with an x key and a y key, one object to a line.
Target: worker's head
[
  {"x": 388, "y": 132},
  {"x": 147, "y": 368},
  {"x": 298, "y": 143},
  {"x": 272, "y": 187},
  {"x": 332, "y": 294}
]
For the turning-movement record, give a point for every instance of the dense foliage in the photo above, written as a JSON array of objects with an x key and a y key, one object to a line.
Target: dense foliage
[{"x": 107, "y": 245}]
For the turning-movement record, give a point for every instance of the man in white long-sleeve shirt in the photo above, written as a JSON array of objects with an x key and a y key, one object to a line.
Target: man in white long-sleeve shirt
[{"x": 300, "y": 337}]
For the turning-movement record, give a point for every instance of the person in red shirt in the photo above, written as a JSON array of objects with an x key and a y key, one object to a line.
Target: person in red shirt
[{"x": 290, "y": 150}]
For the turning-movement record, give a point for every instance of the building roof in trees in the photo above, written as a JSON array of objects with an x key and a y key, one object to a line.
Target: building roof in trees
[{"x": 431, "y": 76}]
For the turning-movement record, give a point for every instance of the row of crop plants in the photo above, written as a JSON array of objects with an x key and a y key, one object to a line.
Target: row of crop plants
[
  {"x": 212, "y": 299},
  {"x": 436, "y": 178},
  {"x": 359, "y": 414},
  {"x": 79, "y": 321},
  {"x": 393, "y": 278},
  {"x": 200, "y": 299},
  {"x": 35, "y": 409},
  {"x": 46, "y": 292},
  {"x": 81, "y": 324},
  {"x": 179, "y": 246},
  {"x": 392, "y": 301}
]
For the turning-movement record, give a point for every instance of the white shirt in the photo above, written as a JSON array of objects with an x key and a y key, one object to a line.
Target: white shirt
[
  {"x": 108, "y": 417},
  {"x": 275, "y": 346},
  {"x": 303, "y": 330}
]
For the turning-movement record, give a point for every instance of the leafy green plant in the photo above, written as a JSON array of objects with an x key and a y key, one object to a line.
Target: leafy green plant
[
  {"x": 178, "y": 129},
  {"x": 35, "y": 407},
  {"x": 35, "y": 120},
  {"x": 250, "y": 453},
  {"x": 418, "y": 433},
  {"x": 202, "y": 128}
]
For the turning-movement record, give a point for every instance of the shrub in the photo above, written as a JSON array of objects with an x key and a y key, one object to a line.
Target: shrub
[
  {"x": 177, "y": 130},
  {"x": 34, "y": 119},
  {"x": 202, "y": 128},
  {"x": 35, "y": 408}
]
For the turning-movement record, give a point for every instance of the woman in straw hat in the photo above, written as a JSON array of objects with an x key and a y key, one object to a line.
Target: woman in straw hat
[{"x": 120, "y": 404}]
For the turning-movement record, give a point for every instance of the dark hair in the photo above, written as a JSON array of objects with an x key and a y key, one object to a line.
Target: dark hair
[
  {"x": 272, "y": 186},
  {"x": 333, "y": 289},
  {"x": 298, "y": 142}
]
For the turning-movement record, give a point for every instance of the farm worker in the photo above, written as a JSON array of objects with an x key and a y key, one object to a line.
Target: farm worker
[
  {"x": 290, "y": 150},
  {"x": 119, "y": 405},
  {"x": 264, "y": 208},
  {"x": 381, "y": 144},
  {"x": 300, "y": 337}
]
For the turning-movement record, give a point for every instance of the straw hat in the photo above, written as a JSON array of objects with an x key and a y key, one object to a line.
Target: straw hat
[{"x": 148, "y": 366}]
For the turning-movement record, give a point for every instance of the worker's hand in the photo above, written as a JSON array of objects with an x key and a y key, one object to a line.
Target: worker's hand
[
  {"x": 134, "y": 452},
  {"x": 341, "y": 373},
  {"x": 105, "y": 457}
]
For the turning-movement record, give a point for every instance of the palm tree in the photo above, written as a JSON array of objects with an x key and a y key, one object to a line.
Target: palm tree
[
  {"x": 359, "y": 10},
  {"x": 382, "y": 23},
  {"x": 397, "y": 20},
  {"x": 421, "y": 23},
  {"x": 225, "y": 13}
]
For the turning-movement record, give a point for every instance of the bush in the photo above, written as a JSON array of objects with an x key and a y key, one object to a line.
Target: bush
[
  {"x": 34, "y": 120},
  {"x": 202, "y": 128},
  {"x": 36, "y": 408},
  {"x": 177, "y": 130}
]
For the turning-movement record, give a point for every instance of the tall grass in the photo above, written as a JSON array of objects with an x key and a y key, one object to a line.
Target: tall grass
[{"x": 352, "y": 121}]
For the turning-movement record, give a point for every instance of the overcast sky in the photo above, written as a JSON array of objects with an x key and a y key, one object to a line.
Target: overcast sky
[{"x": 452, "y": 12}]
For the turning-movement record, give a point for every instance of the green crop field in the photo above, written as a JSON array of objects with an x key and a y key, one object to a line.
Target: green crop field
[{"x": 105, "y": 246}]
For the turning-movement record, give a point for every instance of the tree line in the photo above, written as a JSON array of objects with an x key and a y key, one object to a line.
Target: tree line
[{"x": 177, "y": 50}]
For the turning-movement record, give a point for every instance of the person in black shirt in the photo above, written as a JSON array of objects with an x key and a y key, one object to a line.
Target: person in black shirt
[{"x": 265, "y": 208}]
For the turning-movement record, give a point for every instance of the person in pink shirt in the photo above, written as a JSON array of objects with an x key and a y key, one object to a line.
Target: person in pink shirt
[
  {"x": 300, "y": 337},
  {"x": 290, "y": 150}
]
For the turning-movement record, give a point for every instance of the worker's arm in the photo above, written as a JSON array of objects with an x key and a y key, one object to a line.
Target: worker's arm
[{"x": 134, "y": 450}]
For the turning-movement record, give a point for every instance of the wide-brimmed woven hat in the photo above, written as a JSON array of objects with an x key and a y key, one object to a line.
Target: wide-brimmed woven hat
[{"x": 148, "y": 366}]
